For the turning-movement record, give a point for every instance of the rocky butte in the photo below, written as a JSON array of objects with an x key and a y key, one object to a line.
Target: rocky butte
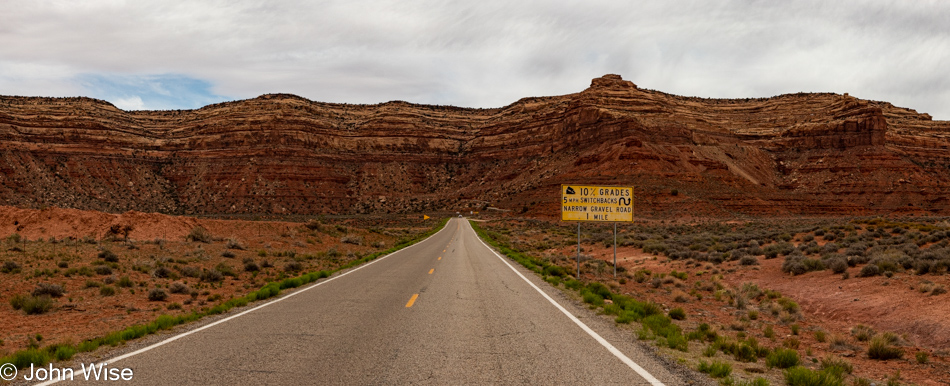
[{"x": 795, "y": 154}]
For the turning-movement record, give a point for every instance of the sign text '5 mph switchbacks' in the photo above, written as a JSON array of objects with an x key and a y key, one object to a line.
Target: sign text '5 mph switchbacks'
[{"x": 596, "y": 203}]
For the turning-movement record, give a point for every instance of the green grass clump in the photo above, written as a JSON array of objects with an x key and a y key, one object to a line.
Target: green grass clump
[
  {"x": 23, "y": 358},
  {"x": 744, "y": 352},
  {"x": 107, "y": 290},
  {"x": 32, "y": 305},
  {"x": 64, "y": 352},
  {"x": 662, "y": 326},
  {"x": 677, "y": 313},
  {"x": 716, "y": 369},
  {"x": 800, "y": 376},
  {"x": 882, "y": 348},
  {"x": 782, "y": 358},
  {"x": 591, "y": 297},
  {"x": 758, "y": 381},
  {"x": 703, "y": 333},
  {"x": 836, "y": 365}
]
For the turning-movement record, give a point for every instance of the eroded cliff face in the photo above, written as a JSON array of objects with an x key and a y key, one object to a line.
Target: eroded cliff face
[{"x": 814, "y": 154}]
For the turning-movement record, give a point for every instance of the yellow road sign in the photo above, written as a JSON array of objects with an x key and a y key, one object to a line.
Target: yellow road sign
[
  {"x": 424, "y": 217},
  {"x": 596, "y": 203}
]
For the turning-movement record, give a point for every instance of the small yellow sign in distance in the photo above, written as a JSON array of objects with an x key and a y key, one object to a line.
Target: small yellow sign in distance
[
  {"x": 596, "y": 203},
  {"x": 424, "y": 217}
]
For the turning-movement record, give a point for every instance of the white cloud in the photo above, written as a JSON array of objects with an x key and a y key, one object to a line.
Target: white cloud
[
  {"x": 489, "y": 54},
  {"x": 129, "y": 103}
]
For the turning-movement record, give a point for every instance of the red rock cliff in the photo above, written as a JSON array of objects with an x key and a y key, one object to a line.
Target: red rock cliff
[{"x": 819, "y": 154}]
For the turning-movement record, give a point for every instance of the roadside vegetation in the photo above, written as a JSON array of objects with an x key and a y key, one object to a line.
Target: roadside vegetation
[
  {"x": 756, "y": 329},
  {"x": 185, "y": 280}
]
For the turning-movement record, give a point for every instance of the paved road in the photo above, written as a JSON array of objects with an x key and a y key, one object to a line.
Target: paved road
[{"x": 444, "y": 311}]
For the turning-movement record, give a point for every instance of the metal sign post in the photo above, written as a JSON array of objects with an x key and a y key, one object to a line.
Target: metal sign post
[
  {"x": 578, "y": 251},
  {"x": 615, "y": 250}
]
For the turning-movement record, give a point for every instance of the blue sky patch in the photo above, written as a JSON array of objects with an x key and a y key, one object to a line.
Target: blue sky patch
[{"x": 150, "y": 92}]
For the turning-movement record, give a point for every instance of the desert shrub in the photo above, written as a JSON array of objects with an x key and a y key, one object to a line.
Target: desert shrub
[
  {"x": 228, "y": 254},
  {"x": 108, "y": 255},
  {"x": 10, "y": 267},
  {"x": 251, "y": 266},
  {"x": 107, "y": 290},
  {"x": 703, "y": 333},
  {"x": 53, "y": 290},
  {"x": 881, "y": 347},
  {"x": 573, "y": 284},
  {"x": 800, "y": 376},
  {"x": 839, "y": 342},
  {"x": 103, "y": 270},
  {"x": 293, "y": 266},
  {"x": 922, "y": 357},
  {"x": 869, "y": 271},
  {"x": 157, "y": 295},
  {"x": 62, "y": 352},
  {"x": 788, "y": 305},
  {"x": 211, "y": 275},
  {"x": 836, "y": 365},
  {"x": 748, "y": 260},
  {"x": 178, "y": 288},
  {"x": 199, "y": 234},
  {"x": 32, "y": 305},
  {"x": 234, "y": 243},
  {"x": 716, "y": 369},
  {"x": 677, "y": 314},
  {"x": 782, "y": 358},
  {"x": 922, "y": 267},
  {"x": 862, "y": 333},
  {"x": 838, "y": 265},
  {"x": 162, "y": 273},
  {"x": 792, "y": 343},
  {"x": 352, "y": 239},
  {"x": 744, "y": 352},
  {"x": 774, "y": 250},
  {"x": 225, "y": 269},
  {"x": 555, "y": 270},
  {"x": 190, "y": 271},
  {"x": 591, "y": 298},
  {"x": 680, "y": 296},
  {"x": 938, "y": 289}
]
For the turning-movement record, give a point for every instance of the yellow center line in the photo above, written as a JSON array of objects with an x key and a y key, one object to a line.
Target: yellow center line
[
  {"x": 431, "y": 270},
  {"x": 412, "y": 300},
  {"x": 440, "y": 257}
]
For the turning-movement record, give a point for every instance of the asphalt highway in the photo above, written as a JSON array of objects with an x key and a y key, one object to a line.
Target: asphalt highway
[{"x": 447, "y": 310}]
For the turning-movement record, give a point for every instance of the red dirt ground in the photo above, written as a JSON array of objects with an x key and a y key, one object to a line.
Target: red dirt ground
[
  {"x": 828, "y": 303},
  {"x": 84, "y": 313}
]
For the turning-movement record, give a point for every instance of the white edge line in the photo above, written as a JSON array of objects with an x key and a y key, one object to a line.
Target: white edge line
[
  {"x": 279, "y": 299},
  {"x": 603, "y": 342}
]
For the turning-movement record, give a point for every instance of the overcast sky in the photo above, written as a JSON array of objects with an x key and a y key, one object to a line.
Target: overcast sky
[{"x": 171, "y": 54}]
